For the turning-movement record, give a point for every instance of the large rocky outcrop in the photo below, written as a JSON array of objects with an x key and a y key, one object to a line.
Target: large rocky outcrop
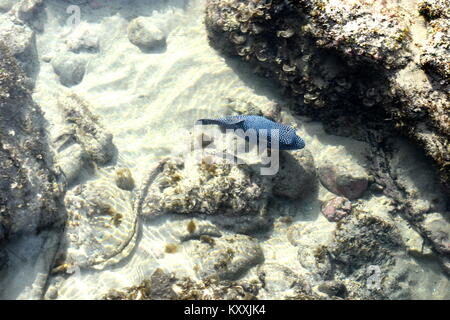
[
  {"x": 343, "y": 59},
  {"x": 29, "y": 192}
]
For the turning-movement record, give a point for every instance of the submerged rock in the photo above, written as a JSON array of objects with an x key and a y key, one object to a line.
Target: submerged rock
[
  {"x": 69, "y": 67},
  {"x": 165, "y": 286},
  {"x": 297, "y": 175},
  {"x": 347, "y": 181},
  {"x": 208, "y": 188},
  {"x": 86, "y": 128},
  {"x": 437, "y": 229},
  {"x": 21, "y": 42},
  {"x": 29, "y": 193},
  {"x": 229, "y": 258},
  {"x": 124, "y": 179},
  {"x": 6, "y": 5},
  {"x": 349, "y": 57},
  {"x": 336, "y": 209},
  {"x": 101, "y": 226},
  {"x": 233, "y": 196},
  {"x": 83, "y": 39},
  {"x": 334, "y": 289},
  {"x": 144, "y": 34},
  {"x": 434, "y": 57},
  {"x": 280, "y": 281},
  {"x": 81, "y": 140},
  {"x": 26, "y": 9},
  {"x": 363, "y": 240}
]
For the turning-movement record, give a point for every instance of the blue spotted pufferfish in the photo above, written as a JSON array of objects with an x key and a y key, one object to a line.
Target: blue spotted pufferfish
[{"x": 288, "y": 139}]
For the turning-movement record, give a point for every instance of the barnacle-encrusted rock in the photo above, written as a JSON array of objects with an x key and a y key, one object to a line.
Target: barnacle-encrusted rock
[
  {"x": 435, "y": 56},
  {"x": 297, "y": 175},
  {"x": 101, "y": 225},
  {"x": 86, "y": 128},
  {"x": 363, "y": 240},
  {"x": 158, "y": 287},
  {"x": 368, "y": 59},
  {"x": 81, "y": 140},
  {"x": 333, "y": 288},
  {"x": 28, "y": 189},
  {"x": 206, "y": 187},
  {"x": 166, "y": 286},
  {"x": 228, "y": 258},
  {"x": 234, "y": 196}
]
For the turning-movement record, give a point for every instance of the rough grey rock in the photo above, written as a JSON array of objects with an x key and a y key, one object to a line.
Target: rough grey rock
[
  {"x": 29, "y": 192},
  {"x": 144, "y": 34},
  {"x": 333, "y": 289},
  {"x": 85, "y": 129},
  {"x": 160, "y": 286},
  {"x": 6, "y": 5},
  {"x": 297, "y": 175},
  {"x": 437, "y": 230},
  {"x": 71, "y": 162},
  {"x": 69, "y": 67},
  {"x": 80, "y": 140},
  {"x": 435, "y": 54},
  {"x": 278, "y": 280},
  {"x": 228, "y": 258},
  {"x": 349, "y": 59},
  {"x": 83, "y": 38},
  {"x": 316, "y": 260},
  {"x": 29, "y": 263},
  {"x": 21, "y": 41},
  {"x": 24, "y": 10},
  {"x": 347, "y": 181},
  {"x": 362, "y": 240}
]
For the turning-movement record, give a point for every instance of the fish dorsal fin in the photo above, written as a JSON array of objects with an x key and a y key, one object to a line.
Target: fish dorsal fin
[{"x": 233, "y": 121}]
